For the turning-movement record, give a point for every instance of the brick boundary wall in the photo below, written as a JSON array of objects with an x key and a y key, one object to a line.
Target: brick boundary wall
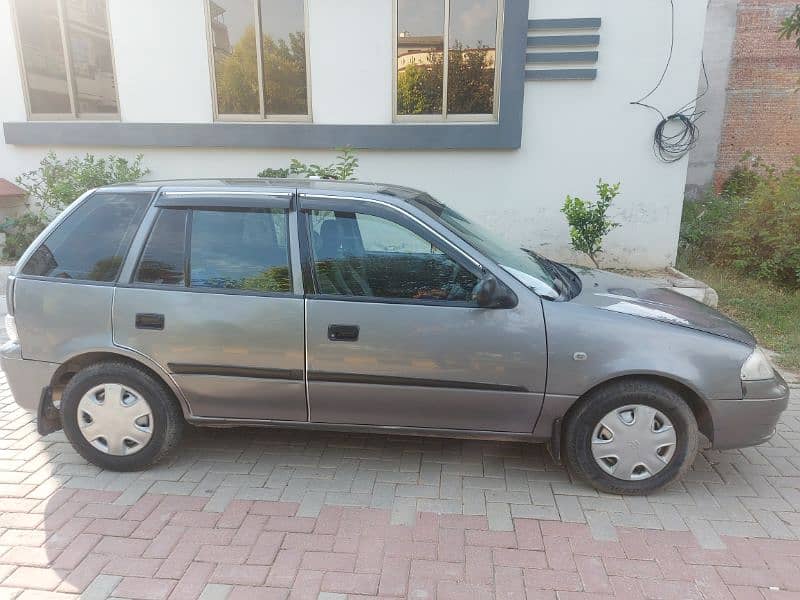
[{"x": 762, "y": 114}]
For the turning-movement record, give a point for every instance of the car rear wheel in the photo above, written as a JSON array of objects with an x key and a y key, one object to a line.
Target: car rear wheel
[
  {"x": 120, "y": 417},
  {"x": 631, "y": 437}
]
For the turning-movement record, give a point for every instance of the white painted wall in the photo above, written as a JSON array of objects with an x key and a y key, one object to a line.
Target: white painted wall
[
  {"x": 161, "y": 56},
  {"x": 574, "y": 132},
  {"x": 351, "y": 70}
]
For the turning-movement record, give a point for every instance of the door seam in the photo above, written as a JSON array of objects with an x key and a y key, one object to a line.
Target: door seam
[{"x": 305, "y": 358}]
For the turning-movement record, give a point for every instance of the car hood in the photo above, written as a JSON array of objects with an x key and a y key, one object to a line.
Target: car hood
[{"x": 630, "y": 296}]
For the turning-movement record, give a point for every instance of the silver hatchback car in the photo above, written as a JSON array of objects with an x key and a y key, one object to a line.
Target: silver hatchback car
[{"x": 362, "y": 307}]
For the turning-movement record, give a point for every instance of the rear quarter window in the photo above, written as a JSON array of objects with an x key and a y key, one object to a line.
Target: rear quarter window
[{"x": 91, "y": 243}]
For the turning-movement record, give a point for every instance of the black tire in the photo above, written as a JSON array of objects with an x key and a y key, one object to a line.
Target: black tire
[
  {"x": 586, "y": 415},
  {"x": 167, "y": 421}
]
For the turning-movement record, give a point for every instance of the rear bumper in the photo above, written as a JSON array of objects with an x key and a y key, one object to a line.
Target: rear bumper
[
  {"x": 26, "y": 378},
  {"x": 751, "y": 420}
]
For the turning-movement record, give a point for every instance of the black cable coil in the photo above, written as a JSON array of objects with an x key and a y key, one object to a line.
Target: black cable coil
[{"x": 676, "y": 134}]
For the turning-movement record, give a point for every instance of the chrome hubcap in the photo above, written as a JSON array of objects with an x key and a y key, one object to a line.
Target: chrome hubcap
[
  {"x": 115, "y": 419},
  {"x": 633, "y": 442}
]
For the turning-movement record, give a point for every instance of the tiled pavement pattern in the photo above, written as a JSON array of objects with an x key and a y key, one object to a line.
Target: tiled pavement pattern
[{"x": 277, "y": 514}]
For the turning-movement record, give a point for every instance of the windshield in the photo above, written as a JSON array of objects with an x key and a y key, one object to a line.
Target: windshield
[{"x": 523, "y": 265}]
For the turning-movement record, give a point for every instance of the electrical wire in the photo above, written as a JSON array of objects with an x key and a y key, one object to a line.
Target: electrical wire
[{"x": 672, "y": 147}]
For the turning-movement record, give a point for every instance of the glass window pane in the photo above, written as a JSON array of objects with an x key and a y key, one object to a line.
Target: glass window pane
[
  {"x": 240, "y": 250},
  {"x": 91, "y": 243},
  {"x": 471, "y": 59},
  {"x": 90, "y": 55},
  {"x": 43, "y": 56},
  {"x": 420, "y": 57},
  {"x": 233, "y": 34},
  {"x": 163, "y": 257},
  {"x": 365, "y": 255},
  {"x": 284, "y": 43}
]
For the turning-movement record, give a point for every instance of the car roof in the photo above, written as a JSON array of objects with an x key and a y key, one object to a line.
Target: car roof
[{"x": 364, "y": 188}]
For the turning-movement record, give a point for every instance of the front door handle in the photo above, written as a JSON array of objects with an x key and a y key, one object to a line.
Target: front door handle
[
  {"x": 149, "y": 321},
  {"x": 343, "y": 333}
]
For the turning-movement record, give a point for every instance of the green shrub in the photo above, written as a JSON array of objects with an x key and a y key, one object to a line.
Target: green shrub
[
  {"x": 702, "y": 222},
  {"x": 588, "y": 223},
  {"x": 790, "y": 27},
  {"x": 20, "y": 232},
  {"x": 754, "y": 226},
  {"x": 744, "y": 178},
  {"x": 55, "y": 185},
  {"x": 344, "y": 168},
  {"x": 764, "y": 236}
]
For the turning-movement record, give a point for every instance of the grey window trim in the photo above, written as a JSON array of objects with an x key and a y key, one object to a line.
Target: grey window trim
[
  {"x": 323, "y": 201},
  {"x": 69, "y": 281},
  {"x": 262, "y": 116},
  {"x": 404, "y": 301},
  {"x": 72, "y": 90},
  {"x": 446, "y": 117},
  {"x": 504, "y": 134},
  {"x": 210, "y": 201}
]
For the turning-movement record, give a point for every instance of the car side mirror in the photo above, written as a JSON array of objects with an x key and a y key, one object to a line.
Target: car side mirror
[{"x": 490, "y": 293}]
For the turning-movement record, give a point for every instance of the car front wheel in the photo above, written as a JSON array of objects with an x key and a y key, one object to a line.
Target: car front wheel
[
  {"x": 120, "y": 417},
  {"x": 631, "y": 437}
]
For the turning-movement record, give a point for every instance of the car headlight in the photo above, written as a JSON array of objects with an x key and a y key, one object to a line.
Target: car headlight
[{"x": 757, "y": 367}]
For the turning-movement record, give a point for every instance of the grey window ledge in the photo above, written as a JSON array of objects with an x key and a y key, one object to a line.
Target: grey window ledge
[{"x": 398, "y": 136}]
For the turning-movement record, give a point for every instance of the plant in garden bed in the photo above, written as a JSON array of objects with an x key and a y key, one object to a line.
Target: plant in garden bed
[
  {"x": 588, "y": 221},
  {"x": 344, "y": 168},
  {"x": 55, "y": 185},
  {"x": 770, "y": 311},
  {"x": 751, "y": 227}
]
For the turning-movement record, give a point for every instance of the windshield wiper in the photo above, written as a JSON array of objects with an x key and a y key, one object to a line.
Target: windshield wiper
[
  {"x": 546, "y": 264},
  {"x": 568, "y": 285}
]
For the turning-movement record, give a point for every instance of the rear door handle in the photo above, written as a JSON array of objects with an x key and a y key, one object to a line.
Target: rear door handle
[
  {"x": 149, "y": 321},
  {"x": 343, "y": 333}
]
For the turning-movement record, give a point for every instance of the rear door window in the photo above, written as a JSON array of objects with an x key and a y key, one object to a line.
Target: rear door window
[
  {"x": 244, "y": 250},
  {"x": 162, "y": 261},
  {"x": 91, "y": 243},
  {"x": 240, "y": 250}
]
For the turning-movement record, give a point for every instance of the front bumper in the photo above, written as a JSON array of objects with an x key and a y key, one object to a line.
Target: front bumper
[
  {"x": 26, "y": 378},
  {"x": 751, "y": 420}
]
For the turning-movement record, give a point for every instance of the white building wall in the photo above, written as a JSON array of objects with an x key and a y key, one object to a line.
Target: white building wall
[
  {"x": 161, "y": 55},
  {"x": 351, "y": 73},
  {"x": 573, "y": 133}
]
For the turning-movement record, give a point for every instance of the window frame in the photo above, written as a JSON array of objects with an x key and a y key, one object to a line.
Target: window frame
[
  {"x": 186, "y": 286},
  {"x": 72, "y": 90},
  {"x": 391, "y": 213},
  {"x": 262, "y": 116},
  {"x": 444, "y": 117}
]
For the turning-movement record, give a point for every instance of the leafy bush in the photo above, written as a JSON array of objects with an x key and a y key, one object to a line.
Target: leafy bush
[
  {"x": 588, "y": 223},
  {"x": 752, "y": 227},
  {"x": 343, "y": 169},
  {"x": 790, "y": 27},
  {"x": 20, "y": 232},
  {"x": 55, "y": 185},
  {"x": 743, "y": 180},
  {"x": 702, "y": 221}
]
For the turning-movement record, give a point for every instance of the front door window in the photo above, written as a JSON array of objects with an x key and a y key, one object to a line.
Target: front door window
[{"x": 359, "y": 254}]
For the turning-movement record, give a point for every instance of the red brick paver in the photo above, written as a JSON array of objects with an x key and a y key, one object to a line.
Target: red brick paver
[
  {"x": 253, "y": 514},
  {"x": 359, "y": 552}
]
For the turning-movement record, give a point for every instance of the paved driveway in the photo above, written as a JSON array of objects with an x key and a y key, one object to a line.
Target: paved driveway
[{"x": 273, "y": 514}]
